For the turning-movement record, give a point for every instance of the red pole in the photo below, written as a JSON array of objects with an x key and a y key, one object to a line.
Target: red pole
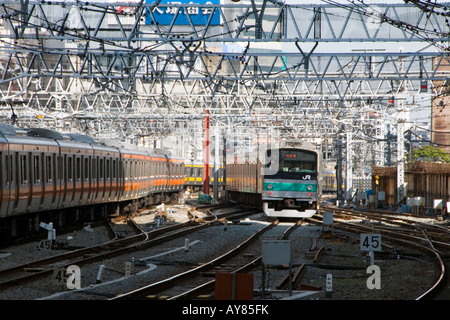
[{"x": 206, "y": 155}]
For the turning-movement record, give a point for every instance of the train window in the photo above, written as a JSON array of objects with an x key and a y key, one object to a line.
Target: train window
[
  {"x": 36, "y": 170},
  {"x": 54, "y": 167},
  {"x": 94, "y": 169},
  {"x": 16, "y": 166},
  {"x": 60, "y": 167},
  {"x": 23, "y": 169},
  {"x": 11, "y": 166},
  {"x": 7, "y": 177},
  {"x": 86, "y": 169},
  {"x": 101, "y": 170},
  {"x": 48, "y": 169},
  {"x": 8, "y": 166},
  {"x": 108, "y": 169},
  {"x": 2, "y": 177},
  {"x": 297, "y": 166},
  {"x": 297, "y": 161},
  {"x": 65, "y": 176},
  {"x": 78, "y": 169},
  {"x": 138, "y": 170},
  {"x": 114, "y": 173},
  {"x": 120, "y": 169},
  {"x": 131, "y": 173},
  {"x": 69, "y": 169}
]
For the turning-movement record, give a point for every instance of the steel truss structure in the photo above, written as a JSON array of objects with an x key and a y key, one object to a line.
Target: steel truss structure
[{"x": 136, "y": 69}]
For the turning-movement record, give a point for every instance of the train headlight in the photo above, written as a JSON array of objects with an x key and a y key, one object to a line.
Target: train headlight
[
  {"x": 269, "y": 186},
  {"x": 309, "y": 188}
]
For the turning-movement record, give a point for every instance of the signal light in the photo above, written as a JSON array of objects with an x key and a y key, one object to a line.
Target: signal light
[{"x": 391, "y": 100}]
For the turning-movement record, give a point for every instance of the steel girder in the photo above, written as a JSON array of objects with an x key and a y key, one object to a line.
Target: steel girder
[{"x": 121, "y": 65}]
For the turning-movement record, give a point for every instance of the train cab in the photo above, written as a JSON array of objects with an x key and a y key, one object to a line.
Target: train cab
[{"x": 292, "y": 184}]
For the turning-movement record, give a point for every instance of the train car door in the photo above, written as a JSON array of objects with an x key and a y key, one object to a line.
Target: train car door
[
  {"x": 37, "y": 190},
  {"x": 85, "y": 179},
  {"x": 133, "y": 178},
  {"x": 22, "y": 181},
  {"x": 101, "y": 177},
  {"x": 48, "y": 181},
  {"x": 9, "y": 186},
  {"x": 114, "y": 178},
  {"x": 170, "y": 174},
  {"x": 108, "y": 180},
  {"x": 166, "y": 173},
  {"x": 95, "y": 180},
  {"x": 77, "y": 179},
  {"x": 59, "y": 183},
  {"x": 151, "y": 175},
  {"x": 15, "y": 192},
  {"x": 68, "y": 180},
  {"x": 124, "y": 164},
  {"x": 4, "y": 191},
  {"x": 120, "y": 177}
]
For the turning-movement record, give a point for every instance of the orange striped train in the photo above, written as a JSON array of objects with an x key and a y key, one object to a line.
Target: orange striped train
[{"x": 45, "y": 175}]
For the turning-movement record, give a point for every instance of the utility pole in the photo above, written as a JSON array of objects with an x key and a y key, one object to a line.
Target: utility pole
[
  {"x": 206, "y": 143},
  {"x": 339, "y": 172},
  {"x": 348, "y": 168},
  {"x": 400, "y": 163},
  {"x": 216, "y": 164},
  {"x": 401, "y": 139}
]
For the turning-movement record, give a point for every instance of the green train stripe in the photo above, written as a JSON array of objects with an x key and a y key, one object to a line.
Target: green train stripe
[{"x": 284, "y": 186}]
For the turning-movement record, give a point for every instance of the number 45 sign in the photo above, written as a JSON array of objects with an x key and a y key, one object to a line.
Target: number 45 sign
[{"x": 370, "y": 242}]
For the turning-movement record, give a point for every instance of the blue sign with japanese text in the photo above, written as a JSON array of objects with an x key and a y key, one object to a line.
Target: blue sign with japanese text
[{"x": 167, "y": 11}]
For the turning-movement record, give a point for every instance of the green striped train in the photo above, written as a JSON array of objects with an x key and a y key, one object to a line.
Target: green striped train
[{"x": 286, "y": 181}]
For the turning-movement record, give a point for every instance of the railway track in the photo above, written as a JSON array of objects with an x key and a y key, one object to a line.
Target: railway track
[
  {"x": 407, "y": 232},
  {"x": 179, "y": 279},
  {"x": 34, "y": 270},
  {"x": 194, "y": 275}
]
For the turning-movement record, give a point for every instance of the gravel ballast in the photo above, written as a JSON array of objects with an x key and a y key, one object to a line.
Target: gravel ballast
[{"x": 404, "y": 274}]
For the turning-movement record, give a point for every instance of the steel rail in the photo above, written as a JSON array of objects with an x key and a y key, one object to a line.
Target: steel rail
[
  {"x": 209, "y": 286},
  {"x": 169, "y": 282},
  {"x": 139, "y": 241},
  {"x": 408, "y": 240}
]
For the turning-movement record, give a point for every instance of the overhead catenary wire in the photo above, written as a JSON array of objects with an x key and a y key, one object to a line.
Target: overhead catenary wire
[{"x": 216, "y": 82}]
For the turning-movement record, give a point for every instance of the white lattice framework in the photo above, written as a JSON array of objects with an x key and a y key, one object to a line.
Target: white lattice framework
[{"x": 127, "y": 70}]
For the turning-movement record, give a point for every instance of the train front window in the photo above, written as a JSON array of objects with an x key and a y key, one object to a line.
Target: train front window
[
  {"x": 297, "y": 166},
  {"x": 297, "y": 161}
]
